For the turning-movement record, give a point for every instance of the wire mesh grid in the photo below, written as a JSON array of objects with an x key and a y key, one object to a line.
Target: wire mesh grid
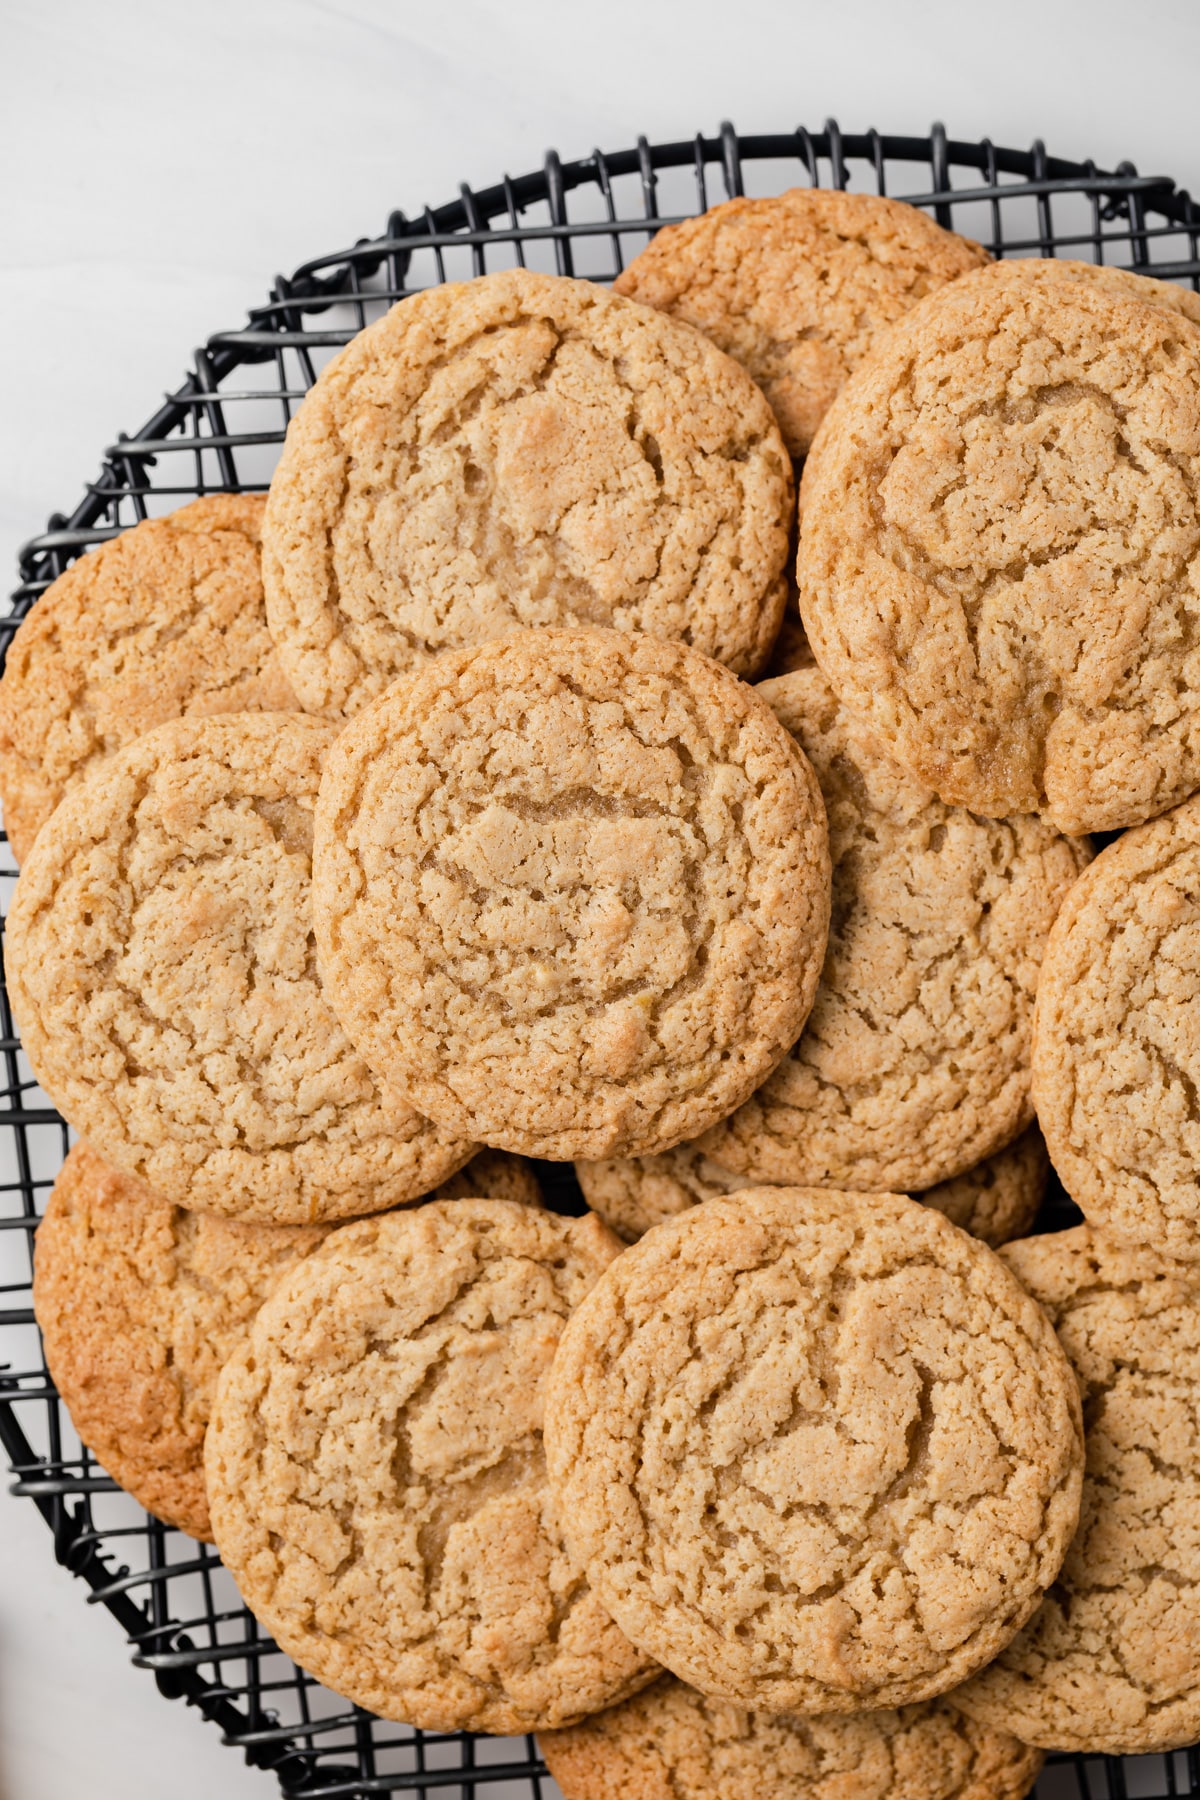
[{"x": 221, "y": 431}]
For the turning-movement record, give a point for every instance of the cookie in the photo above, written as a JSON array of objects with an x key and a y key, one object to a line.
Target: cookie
[
  {"x": 571, "y": 891},
  {"x": 632, "y": 1194},
  {"x": 377, "y": 1478},
  {"x": 817, "y": 1452},
  {"x": 165, "y": 620},
  {"x": 522, "y": 450},
  {"x": 998, "y": 548},
  {"x": 914, "y": 1064},
  {"x": 161, "y": 963},
  {"x": 998, "y": 1199},
  {"x": 1110, "y": 1662},
  {"x": 995, "y": 1201},
  {"x": 671, "y": 1743},
  {"x": 796, "y": 287},
  {"x": 1116, "y": 1047},
  {"x": 493, "y": 1175},
  {"x": 140, "y": 1303}
]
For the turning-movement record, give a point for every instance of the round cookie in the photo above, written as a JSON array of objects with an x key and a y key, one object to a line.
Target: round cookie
[
  {"x": 672, "y": 1743},
  {"x": 1116, "y": 1045},
  {"x": 818, "y": 1452},
  {"x": 140, "y": 1303},
  {"x": 995, "y": 1201},
  {"x": 797, "y": 286},
  {"x": 1111, "y": 1661},
  {"x": 377, "y": 1478},
  {"x": 998, "y": 1199},
  {"x": 633, "y": 1194},
  {"x": 522, "y": 450},
  {"x": 161, "y": 963},
  {"x": 998, "y": 548},
  {"x": 493, "y": 1175},
  {"x": 571, "y": 891},
  {"x": 165, "y": 620},
  {"x": 914, "y": 1063}
]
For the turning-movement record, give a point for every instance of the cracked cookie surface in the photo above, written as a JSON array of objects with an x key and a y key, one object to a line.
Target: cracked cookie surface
[
  {"x": 913, "y": 1065},
  {"x": 1111, "y": 1661},
  {"x": 571, "y": 891},
  {"x": 817, "y": 1452},
  {"x": 796, "y": 287},
  {"x": 165, "y": 620},
  {"x": 999, "y": 548},
  {"x": 995, "y": 1201},
  {"x": 161, "y": 962},
  {"x": 1116, "y": 1046},
  {"x": 522, "y": 450},
  {"x": 377, "y": 1477},
  {"x": 671, "y": 1743}
]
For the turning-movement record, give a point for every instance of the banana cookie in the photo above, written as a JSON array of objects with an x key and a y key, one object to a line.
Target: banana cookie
[
  {"x": 162, "y": 966},
  {"x": 672, "y": 1743},
  {"x": 1116, "y": 1047},
  {"x": 1111, "y": 1661},
  {"x": 140, "y": 1303},
  {"x": 165, "y": 620},
  {"x": 818, "y": 1452},
  {"x": 522, "y": 450},
  {"x": 998, "y": 554},
  {"x": 572, "y": 891},
  {"x": 914, "y": 1064},
  {"x": 377, "y": 1478},
  {"x": 797, "y": 286},
  {"x": 995, "y": 1201}
]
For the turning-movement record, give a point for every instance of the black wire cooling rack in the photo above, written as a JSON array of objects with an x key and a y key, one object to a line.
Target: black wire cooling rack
[{"x": 221, "y": 430}]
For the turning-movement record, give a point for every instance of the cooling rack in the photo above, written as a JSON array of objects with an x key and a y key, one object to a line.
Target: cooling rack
[{"x": 221, "y": 430}]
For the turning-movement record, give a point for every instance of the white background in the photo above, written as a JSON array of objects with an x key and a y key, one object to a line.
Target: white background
[{"x": 160, "y": 160}]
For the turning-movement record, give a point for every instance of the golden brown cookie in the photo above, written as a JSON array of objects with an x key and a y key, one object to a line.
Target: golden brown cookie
[
  {"x": 522, "y": 450},
  {"x": 998, "y": 1199},
  {"x": 914, "y": 1064},
  {"x": 377, "y": 1478},
  {"x": 671, "y": 1743},
  {"x": 165, "y": 620},
  {"x": 1116, "y": 1049},
  {"x": 998, "y": 551},
  {"x": 797, "y": 286},
  {"x": 161, "y": 962},
  {"x": 1111, "y": 1661},
  {"x": 995, "y": 1201},
  {"x": 817, "y": 1452},
  {"x": 632, "y": 1194},
  {"x": 571, "y": 891},
  {"x": 492, "y": 1175},
  {"x": 140, "y": 1303}
]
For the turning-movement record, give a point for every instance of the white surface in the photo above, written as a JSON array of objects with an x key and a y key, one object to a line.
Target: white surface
[
  {"x": 75, "y": 1717},
  {"x": 162, "y": 159}
]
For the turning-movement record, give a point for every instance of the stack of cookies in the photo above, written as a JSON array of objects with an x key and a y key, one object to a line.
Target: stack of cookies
[{"x": 435, "y": 815}]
